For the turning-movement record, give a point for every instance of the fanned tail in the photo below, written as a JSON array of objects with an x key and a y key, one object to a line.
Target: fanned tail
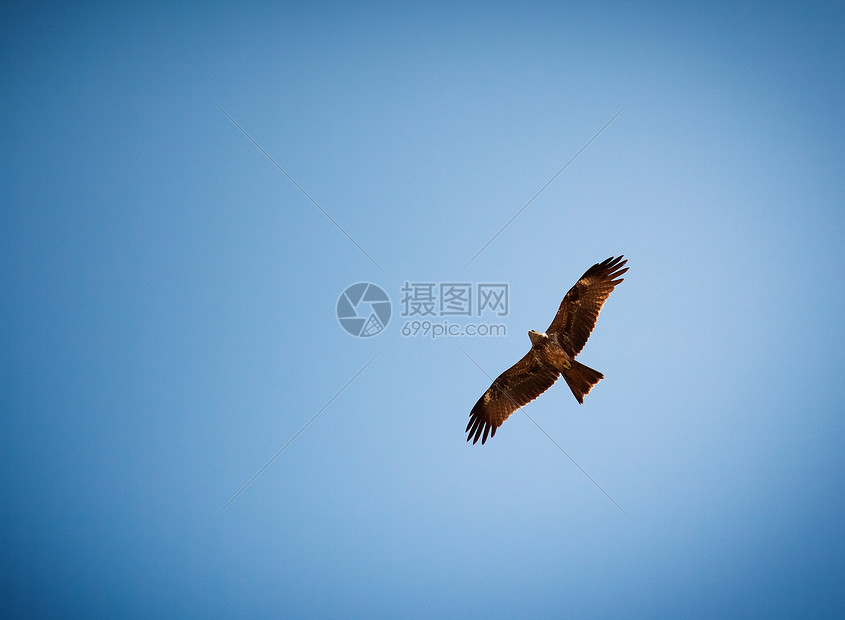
[{"x": 581, "y": 379}]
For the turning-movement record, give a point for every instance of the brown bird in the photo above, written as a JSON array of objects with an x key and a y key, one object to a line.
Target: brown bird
[{"x": 552, "y": 354}]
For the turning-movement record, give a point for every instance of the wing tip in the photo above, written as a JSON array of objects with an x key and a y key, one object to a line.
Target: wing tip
[
  {"x": 479, "y": 429},
  {"x": 614, "y": 268}
]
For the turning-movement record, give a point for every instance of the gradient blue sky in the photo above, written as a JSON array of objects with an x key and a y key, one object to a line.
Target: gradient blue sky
[{"x": 168, "y": 301}]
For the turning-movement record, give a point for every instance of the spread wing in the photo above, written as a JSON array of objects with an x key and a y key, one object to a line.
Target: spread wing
[
  {"x": 518, "y": 385},
  {"x": 580, "y": 308}
]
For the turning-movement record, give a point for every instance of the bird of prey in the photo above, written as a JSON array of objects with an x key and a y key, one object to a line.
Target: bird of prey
[{"x": 552, "y": 353}]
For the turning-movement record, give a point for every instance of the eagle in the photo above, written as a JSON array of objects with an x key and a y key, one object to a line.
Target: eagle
[{"x": 552, "y": 353}]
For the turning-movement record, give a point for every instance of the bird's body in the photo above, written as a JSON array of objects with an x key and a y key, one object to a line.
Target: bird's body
[
  {"x": 552, "y": 353},
  {"x": 545, "y": 347}
]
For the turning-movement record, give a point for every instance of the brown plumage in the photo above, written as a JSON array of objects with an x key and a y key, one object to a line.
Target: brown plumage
[{"x": 552, "y": 353}]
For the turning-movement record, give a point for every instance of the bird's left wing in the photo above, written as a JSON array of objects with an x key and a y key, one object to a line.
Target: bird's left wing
[
  {"x": 579, "y": 310},
  {"x": 518, "y": 385}
]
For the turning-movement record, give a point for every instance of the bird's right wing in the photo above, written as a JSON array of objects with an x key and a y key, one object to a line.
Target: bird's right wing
[{"x": 518, "y": 385}]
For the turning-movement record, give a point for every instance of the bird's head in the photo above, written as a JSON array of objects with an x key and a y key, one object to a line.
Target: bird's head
[{"x": 535, "y": 336}]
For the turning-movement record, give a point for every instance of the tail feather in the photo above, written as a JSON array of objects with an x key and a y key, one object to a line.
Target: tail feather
[{"x": 581, "y": 379}]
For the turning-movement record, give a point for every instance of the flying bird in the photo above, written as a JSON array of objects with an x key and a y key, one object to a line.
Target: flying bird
[{"x": 552, "y": 353}]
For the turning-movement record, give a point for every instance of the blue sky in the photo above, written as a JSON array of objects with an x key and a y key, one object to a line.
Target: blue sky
[{"x": 169, "y": 302}]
